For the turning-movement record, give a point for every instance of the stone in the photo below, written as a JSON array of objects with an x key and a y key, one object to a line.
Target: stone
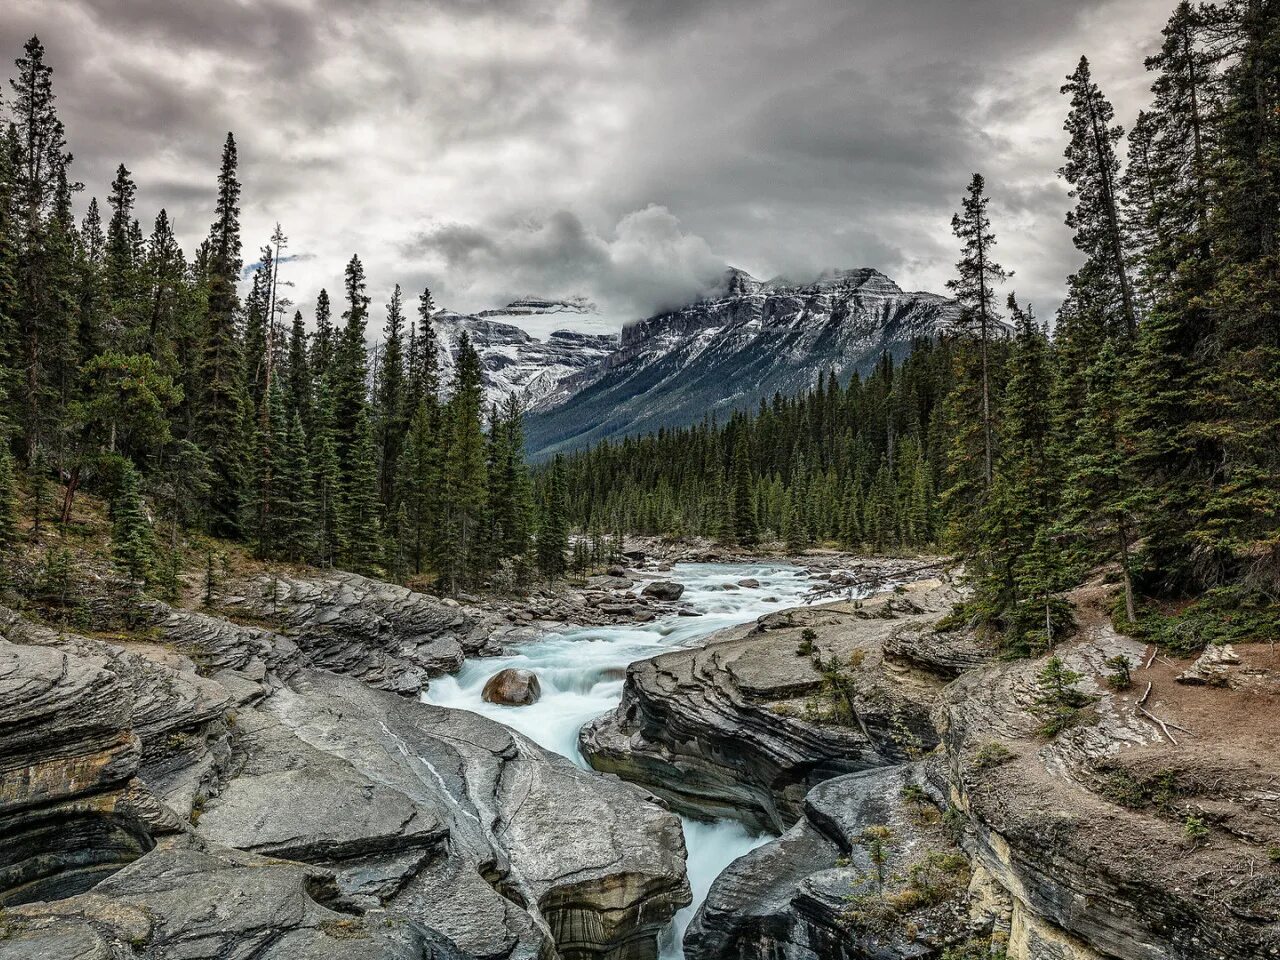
[
  {"x": 749, "y": 583},
  {"x": 452, "y": 819},
  {"x": 191, "y": 899},
  {"x": 724, "y": 730},
  {"x": 790, "y": 898},
  {"x": 664, "y": 590},
  {"x": 513, "y": 688},
  {"x": 1212, "y": 668}
]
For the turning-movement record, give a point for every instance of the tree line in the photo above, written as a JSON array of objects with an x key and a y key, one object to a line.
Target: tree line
[
  {"x": 137, "y": 373},
  {"x": 1143, "y": 432}
]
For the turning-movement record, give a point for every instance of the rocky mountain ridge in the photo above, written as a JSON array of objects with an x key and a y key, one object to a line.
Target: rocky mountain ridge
[
  {"x": 514, "y": 362},
  {"x": 732, "y": 348}
]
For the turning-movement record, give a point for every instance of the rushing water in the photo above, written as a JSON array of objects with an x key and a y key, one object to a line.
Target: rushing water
[{"x": 581, "y": 671}]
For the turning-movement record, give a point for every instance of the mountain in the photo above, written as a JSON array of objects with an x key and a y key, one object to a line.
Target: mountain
[
  {"x": 515, "y": 362},
  {"x": 746, "y": 341}
]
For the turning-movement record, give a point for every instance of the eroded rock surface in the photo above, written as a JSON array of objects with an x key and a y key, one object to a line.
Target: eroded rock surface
[
  {"x": 194, "y": 900},
  {"x": 451, "y": 818},
  {"x": 746, "y": 725},
  {"x": 209, "y": 788},
  {"x": 1089, "y": 832},
  {"x": 813, "y": 892}
]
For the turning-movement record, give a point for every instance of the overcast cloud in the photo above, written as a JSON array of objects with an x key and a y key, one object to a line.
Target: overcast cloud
[{"x": 623, "y": 150}]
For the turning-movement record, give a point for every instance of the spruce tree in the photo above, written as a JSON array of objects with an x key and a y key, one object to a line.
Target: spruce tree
[
  {"x": 295, "y": 507},
  {"x": 746, "y": 530},
  {"x": 393, "y": 417},
  {"x": 459, "y": 549},
  {"x": 1092, "y": 170},
  {"x": 360, "y": 510},
  {"x": 418, "y": 488},
  {"x": 977, "y": 277},
  {"x": 1015, "y": 572},
  {"x": 220, "y": 415},
  {"x": 299, "y": 370},
  {"x": 553, "y": 529},
  {"x": 1103, "y": 495},
  {"x": 132, "y": 541}
]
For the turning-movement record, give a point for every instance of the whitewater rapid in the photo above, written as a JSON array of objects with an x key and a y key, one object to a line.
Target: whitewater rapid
[{"x": 581, "y": 671}]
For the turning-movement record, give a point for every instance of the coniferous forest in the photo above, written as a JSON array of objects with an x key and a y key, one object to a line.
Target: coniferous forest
[
  {"x": 138, "y": 373},
  {"x": 1143, "y": 432}
]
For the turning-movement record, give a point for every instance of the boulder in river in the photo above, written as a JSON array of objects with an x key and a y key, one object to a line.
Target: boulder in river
[
  {"x": 749, "y": 582},
  {"x": 664, "y": 590},
  {"x": 513, "y": 688}
]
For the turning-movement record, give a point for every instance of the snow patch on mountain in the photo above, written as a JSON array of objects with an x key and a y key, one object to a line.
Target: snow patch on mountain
[
  {"x": 741, "y": 343},
  {"x": 513, "y": 361}
]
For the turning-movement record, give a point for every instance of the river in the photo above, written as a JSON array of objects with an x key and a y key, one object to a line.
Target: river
[{"x": 581, "y": 672}]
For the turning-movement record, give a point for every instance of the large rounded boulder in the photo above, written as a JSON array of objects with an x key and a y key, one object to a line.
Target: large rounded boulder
[
  {"x": 664, "y": 590},
  {"x": 513, "y": 688}
]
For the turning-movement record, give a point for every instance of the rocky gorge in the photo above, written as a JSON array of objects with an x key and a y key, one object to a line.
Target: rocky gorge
[
  {"x": 263, "y": 779},
  {"x": 925, "y": 811},
  {"x": 258, "y": 784}
]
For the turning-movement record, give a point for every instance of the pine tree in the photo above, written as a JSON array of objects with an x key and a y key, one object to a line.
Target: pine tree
[
  {"x": 746, "y": 530},
  {"x": 1015, "y": 572},
  {"x": 360, "y": 510},
  {"x": 299, "y": 385},
  {"x": 220, "y": 411},
  {"x": 350, "y": 368},
  {"x": 1103, "y": 495},
  {"x": 8, "y": 505},
  {"x": 132, "y": 540},
  {"x": 295, "y": 507},
  {"x": 418, "y": 487},
  {"x": 326, "y": 477},
  {"x": 459, "y": 550},
  {"x": 393, "y": 418},
  {"x": 324, "y": 341},
  {"x": 1092, "y": 169},
  {"x": 553, "y": 530}
]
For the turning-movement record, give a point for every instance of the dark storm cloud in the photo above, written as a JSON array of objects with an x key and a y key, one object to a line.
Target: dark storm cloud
[{"x": 622, "y": 149}]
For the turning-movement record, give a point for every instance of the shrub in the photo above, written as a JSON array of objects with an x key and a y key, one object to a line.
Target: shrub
[
  {"x": 1122, "y": 677},
  {"x": 991, "y": 755},
  {"x": 1195, "y": 830}
]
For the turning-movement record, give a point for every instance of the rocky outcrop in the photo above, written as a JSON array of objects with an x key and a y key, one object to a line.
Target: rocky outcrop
[
  {"x": 1139, "y": 832},
  {"x": 272, "y": 756},
  {"x": 190, "y": 899},
  {"x": 372, "y": 786},
  {"x": 512, "y": 687},
  {"x": 813, "y": 892},
  {"x": 386, "y": 635},
  {"x": 748, "y": 724}
]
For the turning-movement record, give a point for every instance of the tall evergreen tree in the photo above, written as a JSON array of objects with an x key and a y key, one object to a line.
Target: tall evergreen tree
[
  {"x": 220, "y": 413},
  {"x": 1092, "y": 169},
  {"x": 1103, "y": 494},
  {"x": 553, "y": 528},
  {"x": 977, "y": 276},
  {"x": 459, "y": 550},
  {"x": 393, "y": 418}
]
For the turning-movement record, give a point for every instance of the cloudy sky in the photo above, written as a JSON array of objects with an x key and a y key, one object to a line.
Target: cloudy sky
[{"x": 625, "y": 150}]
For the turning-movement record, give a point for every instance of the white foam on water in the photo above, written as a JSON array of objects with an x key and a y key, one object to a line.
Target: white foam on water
[{"x": 581, "y": 672}]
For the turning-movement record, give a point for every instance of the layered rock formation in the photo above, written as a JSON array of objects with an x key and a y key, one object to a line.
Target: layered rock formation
[
  {"x": 744, "y": 726},
  {"x": 815, "y": 892},
  {"x": 1141, "y": 824},
  {"x": 1121, "y": 837},
  {"x": 209, "y": 788}
]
